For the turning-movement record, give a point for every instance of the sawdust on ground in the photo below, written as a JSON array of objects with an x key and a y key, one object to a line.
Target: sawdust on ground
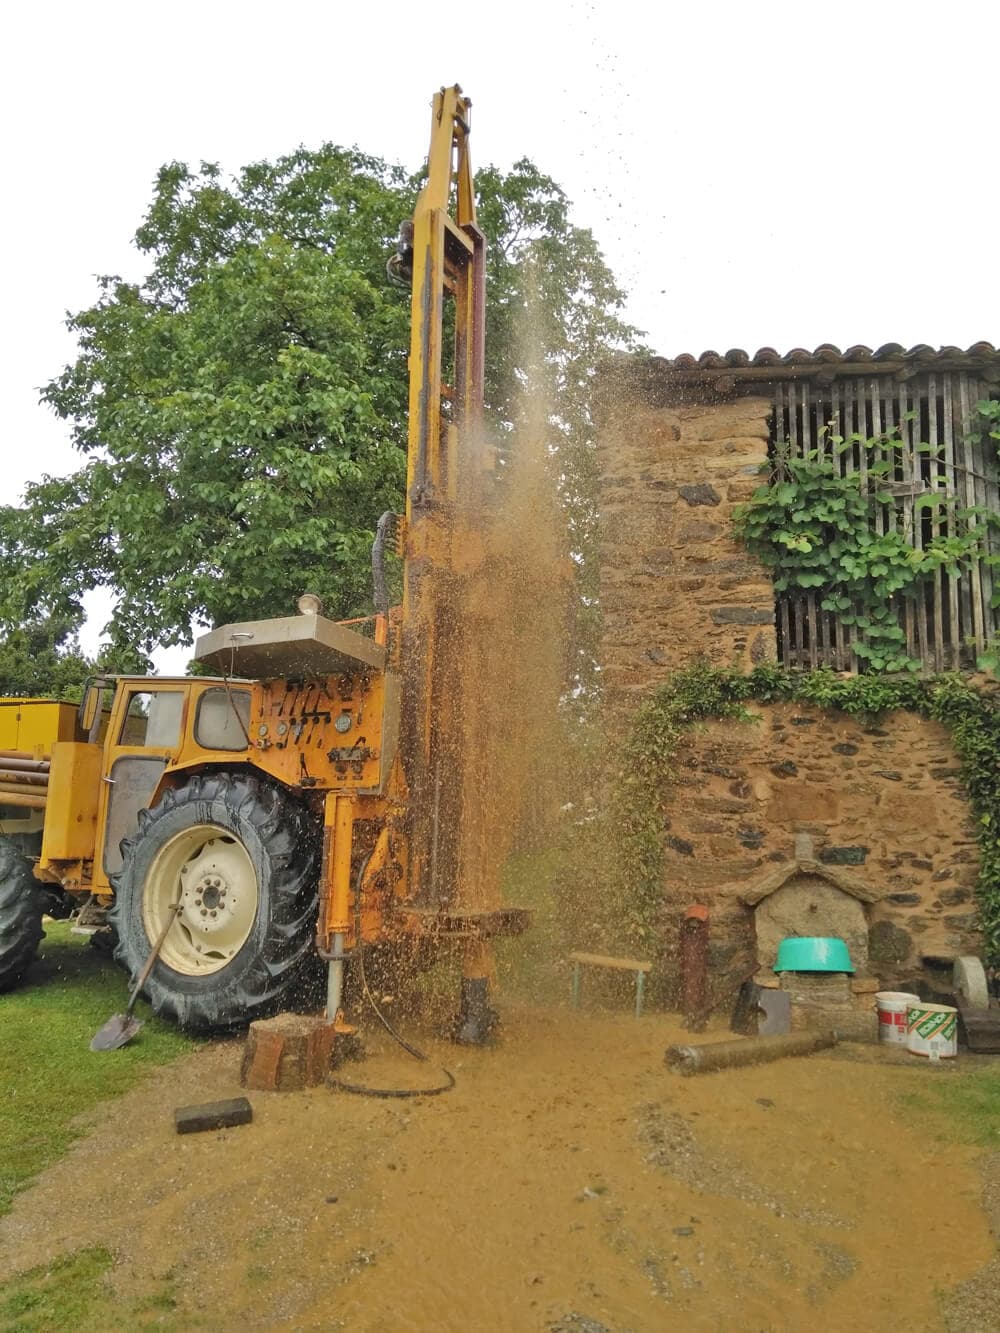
[{"x": 568, "y": 1182}]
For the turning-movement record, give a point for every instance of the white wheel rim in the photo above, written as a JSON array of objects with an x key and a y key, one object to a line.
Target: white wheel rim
[{"x": 209, "y": 872}]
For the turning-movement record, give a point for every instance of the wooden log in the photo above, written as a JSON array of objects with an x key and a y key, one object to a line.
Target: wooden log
[
  {"x": 213, "y": 1115},
  {"x": 287, "y": 1053}
]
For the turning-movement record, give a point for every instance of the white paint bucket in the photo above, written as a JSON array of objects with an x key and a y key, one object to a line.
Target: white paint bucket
[
  {"x": 893, "y": 1006},
  {"x": 932, "y": 1031}
]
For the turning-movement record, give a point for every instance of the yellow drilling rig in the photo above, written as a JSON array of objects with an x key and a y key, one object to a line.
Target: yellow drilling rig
[{"x": 307, "y": 799}]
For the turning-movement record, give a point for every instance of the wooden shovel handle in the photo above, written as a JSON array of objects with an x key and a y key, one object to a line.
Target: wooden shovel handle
[{"x": 154, "y": 953}]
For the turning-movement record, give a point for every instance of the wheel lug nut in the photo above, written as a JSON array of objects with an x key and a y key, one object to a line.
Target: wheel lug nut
[{"x": 204, "y": 911}]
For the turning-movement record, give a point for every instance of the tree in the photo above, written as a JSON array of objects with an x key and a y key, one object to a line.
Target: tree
[
  {"x": 43, "y": 659},
  {"x": 241, "y": 411}
]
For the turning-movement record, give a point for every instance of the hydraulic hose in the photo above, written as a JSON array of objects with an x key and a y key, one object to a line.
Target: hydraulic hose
[
  {"x": 361, "y": 1089},
  {"x": 381, "y": 589}
]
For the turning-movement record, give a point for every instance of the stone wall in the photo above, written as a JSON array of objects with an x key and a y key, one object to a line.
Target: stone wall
[
  {"x": 676, "y": 587},
  {"x": 885, "y": 800},
  {"x": 674, "y": 581}
]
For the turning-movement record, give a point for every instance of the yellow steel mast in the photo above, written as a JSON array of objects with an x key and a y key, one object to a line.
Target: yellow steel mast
[{"x": 445, "y": 453}]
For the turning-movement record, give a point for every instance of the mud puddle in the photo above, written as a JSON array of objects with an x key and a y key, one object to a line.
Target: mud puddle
[{"x": 568, "y": 1182}]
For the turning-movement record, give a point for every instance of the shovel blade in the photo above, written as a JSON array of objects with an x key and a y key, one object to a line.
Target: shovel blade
[{"x": 118, "y": 1030}]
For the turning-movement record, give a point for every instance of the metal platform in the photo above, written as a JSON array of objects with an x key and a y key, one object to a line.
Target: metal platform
[
  {"x": 288, "y": 646},
  {"x": 468, "y": 923}
]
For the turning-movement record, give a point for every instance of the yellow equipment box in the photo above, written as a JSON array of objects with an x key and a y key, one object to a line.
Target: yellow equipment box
[{"x": 35, "y": 725}]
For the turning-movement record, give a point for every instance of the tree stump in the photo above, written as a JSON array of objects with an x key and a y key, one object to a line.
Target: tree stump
[{"x": 287, "y": 1053}]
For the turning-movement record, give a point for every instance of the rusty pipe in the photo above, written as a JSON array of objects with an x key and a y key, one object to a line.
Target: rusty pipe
[
  {"x": 19, "y": 789},
  {"x": 750, "y": 1051},
  {"x": 11, "y": 759},
  {"x": 694, "y": 967},
  {"x": 23, "y": 800},
  {"x": 24, "y": 779}
]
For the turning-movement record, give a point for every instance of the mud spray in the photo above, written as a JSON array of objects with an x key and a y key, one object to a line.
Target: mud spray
[{"x": 491, "y": 656}]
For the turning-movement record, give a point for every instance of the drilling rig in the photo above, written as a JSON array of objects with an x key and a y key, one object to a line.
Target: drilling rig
[{"x": 309, "y": 800}]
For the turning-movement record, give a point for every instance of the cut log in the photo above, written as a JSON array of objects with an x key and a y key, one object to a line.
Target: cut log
[{"x": 287, "y": 1053}]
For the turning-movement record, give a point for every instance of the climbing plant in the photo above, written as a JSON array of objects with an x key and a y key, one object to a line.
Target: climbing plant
[
  {"x": 989, "y": 410},
  {"x": 635, "y": 811},
  {"x": 841, "y": 533}
]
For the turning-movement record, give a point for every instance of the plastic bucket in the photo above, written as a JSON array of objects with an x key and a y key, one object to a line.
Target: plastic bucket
[
  {"x": 932, "y": 1031},
  {"x": 893, "y": 1007}
]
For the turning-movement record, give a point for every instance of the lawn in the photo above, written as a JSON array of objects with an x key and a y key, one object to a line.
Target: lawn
[
  {"x": 74, "y": 1293},
  {"x": 966, "y": 1101},
  {"x": 48, "y": 1074}
]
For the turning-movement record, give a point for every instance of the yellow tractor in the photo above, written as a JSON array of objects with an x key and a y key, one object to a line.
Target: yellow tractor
[{"x": 308, "y": 799}]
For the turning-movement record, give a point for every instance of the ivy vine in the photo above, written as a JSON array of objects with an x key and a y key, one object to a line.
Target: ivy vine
[
  {"x": 702, "y": 693},
  {"x": 842, "y": 533}
]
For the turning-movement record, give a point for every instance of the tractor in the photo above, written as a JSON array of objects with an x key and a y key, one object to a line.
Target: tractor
[{"x": 308, "y": 801}]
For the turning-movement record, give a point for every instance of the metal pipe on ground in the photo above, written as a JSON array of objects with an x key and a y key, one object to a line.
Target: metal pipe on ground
[{"x": 751, "y": 1051}]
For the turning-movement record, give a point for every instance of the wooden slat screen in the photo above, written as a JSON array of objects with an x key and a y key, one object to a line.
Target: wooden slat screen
[{"x": 951, "y": 619}]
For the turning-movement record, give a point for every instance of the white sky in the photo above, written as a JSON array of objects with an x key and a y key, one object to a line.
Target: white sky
[{"x": 777, "y": 174}]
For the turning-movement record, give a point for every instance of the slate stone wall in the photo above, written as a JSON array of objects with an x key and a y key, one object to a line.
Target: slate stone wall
[
  {"x": 885, "y": 800},
  {"x": 675, "y": 583},
  {"x": 676, "y": 587}
]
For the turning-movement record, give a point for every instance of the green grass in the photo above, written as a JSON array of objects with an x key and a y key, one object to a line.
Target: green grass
[
  {"x": 63, "y": 1294},
  {"x": 967, "y": 1102},
  {"x": 48, "y": 1074},
  {"x": 73, "y": 1293}
]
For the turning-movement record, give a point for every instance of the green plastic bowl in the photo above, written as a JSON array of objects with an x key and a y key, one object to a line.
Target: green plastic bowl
[{"x": 807, "y": 953}]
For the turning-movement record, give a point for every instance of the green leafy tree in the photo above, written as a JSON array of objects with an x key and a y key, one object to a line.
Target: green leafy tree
[
  {"x": 240, "y": 413},
  {"x": 43, "y": 659}
]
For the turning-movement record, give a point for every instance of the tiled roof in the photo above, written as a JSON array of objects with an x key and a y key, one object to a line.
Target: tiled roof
[{"x": 826, "y": 360}]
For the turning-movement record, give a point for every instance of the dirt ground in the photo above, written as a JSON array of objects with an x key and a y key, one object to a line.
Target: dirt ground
[{"x": 568, "y": 1182}]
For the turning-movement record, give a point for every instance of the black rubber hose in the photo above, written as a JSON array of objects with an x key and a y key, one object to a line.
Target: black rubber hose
[
  {"x": 381, "y": 589},
  {"x": 359, "y": 1088},
  {"x": 364, "y": 1091}
]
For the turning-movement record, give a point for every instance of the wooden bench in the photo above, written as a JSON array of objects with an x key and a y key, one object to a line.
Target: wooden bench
[{"x": 620, "y": 964}]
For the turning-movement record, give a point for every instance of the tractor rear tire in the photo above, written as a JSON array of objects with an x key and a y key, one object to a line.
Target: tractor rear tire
[
  {"x": 21, "y": 908},
  {"x": 241, "y": 859}
]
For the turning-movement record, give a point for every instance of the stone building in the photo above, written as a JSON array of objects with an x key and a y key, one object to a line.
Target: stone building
[{"x": 886, "y": 850}]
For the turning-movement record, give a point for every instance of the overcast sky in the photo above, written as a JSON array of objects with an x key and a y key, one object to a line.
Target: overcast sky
[{"x": 756, "y": 174}]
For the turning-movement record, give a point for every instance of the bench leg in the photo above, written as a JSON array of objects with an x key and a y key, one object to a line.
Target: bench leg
[
  {"x": 640, "y": 986},
  {"x": 576, "y": 985}
]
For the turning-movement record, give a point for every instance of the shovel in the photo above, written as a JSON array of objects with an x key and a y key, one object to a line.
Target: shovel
[{"x": 121, "y": 1028}]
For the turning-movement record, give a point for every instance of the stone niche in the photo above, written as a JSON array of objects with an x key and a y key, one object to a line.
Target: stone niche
[{"x": 806, "y": 898}]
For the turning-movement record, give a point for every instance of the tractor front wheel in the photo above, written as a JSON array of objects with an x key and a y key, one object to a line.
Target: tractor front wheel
[
  {"x": 234, "y": 862},
  {"x": 21, "y": 909}
]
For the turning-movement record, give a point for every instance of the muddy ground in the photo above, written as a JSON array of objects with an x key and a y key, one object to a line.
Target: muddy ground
[{"x": 568, "y": 1182}]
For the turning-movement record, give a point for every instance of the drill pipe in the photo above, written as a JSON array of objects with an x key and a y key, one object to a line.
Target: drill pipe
[
  {"x": 10, "y": 759},
  {"x": 750, "y": 1051},
  {"x": 14, "y": 775}
]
